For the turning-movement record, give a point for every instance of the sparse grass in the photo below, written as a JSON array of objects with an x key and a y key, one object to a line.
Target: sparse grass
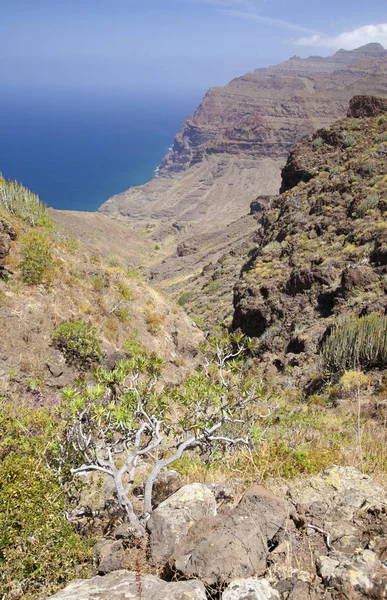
[{"x": 153, "y": 322}]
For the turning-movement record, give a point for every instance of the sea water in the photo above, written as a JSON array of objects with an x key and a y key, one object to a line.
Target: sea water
[{"x": 75, "y": 149}]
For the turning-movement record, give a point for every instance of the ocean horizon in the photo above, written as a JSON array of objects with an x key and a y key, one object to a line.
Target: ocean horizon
[{"x": 76, "y": 150}]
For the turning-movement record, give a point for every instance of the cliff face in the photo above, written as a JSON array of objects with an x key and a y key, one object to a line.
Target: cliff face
[
  {"x": 264, "y": 113},
  {"x": 322, "y": 244},
  {"x": 237, "y": 141}
]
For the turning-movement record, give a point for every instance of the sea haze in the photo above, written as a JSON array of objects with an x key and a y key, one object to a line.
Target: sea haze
[{"x": 75, "y": 150}]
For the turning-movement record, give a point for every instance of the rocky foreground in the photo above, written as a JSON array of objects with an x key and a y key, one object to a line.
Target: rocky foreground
[{"x": 325, "y": 537}]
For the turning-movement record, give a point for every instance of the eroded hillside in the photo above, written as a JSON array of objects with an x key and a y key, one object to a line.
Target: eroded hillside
[
  {"x": 321, "y": 250},
  {"x": 47, "y": 278}
]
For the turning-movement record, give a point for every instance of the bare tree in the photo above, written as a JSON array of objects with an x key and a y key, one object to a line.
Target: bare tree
[{"x": 124, "y": 419}]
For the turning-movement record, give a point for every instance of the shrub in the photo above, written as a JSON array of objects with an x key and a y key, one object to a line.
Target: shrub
[
  {"x": 100, "y": 282},
  {"x": 39, "y": 549},
  {"x": 213, "y": 286},
  {"x": 368, "y": 204},
  {"x": 37, "y": 264},
  {"x": 349, "y": 140},
  {"x": 125, "y": 292},
  {"x": 356, "y": 343},
  {"x": 185, "y": 297},
  {"x": 382, "y": 138},
  {"x": 78, "y": 341},
  {"x": 153, "y": 322},
  {"x": 271, "y": 248},
  {"x": 132, "y": 273},
  {"x": 317, "y": 142}
]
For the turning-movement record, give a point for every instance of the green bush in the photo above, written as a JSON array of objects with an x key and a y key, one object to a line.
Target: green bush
[
  {"x": 79, "y": 342},
  {"x": 213, "y": 286},
  {"x": 368, "y": 204},
  {"x": 356, "y": 343},
  {"x": 37, "y": 264},
  {"x": 349, "y": 140},
  {"x": 317, "y": 142},
  {"x": 39, "y": 549},
  {"x": 185, "y": 297}
]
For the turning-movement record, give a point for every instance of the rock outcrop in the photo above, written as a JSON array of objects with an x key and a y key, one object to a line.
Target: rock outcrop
[
  {"x": 251, "y": 589},
  {"x": 173, "y": 518},
  {"x": 321, "y": 244},
  {"x": 224, "y": 548},
  {"x": 125, "y": 585},
  {"x": 325, "y": 539}
]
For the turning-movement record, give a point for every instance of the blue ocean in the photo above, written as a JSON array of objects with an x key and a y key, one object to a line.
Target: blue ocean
[{"x": 75, "y": 150}]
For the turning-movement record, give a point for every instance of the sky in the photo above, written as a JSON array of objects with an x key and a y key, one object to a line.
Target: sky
[{"x": 164, "y": 45}]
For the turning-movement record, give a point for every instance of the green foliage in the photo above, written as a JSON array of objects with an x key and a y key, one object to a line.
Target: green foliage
[
  {"x": 369, "y": 203},
  {"x": 317, "y": 142},
  {"x": 349, "y": 140},
  {"x": 185, "y": 297},
  {"x": 271, "y": 248},
  {"x": 132, "y": 273},
  {"x": 21, "y": 202},
  {"x": 100, "y": 282},
  {"x": 37, "y": 264},
  {"x": 213, "y": 286},
  {"x": 125, "y": 292},
  {"x": 79, "y": 342},
  {"x": 382, "y": 138},
  {"x": 38, "y": 547},
  {"x": 356, "y": 343}
]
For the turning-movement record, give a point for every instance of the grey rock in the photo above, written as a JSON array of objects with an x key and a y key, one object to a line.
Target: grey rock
[
  {"x": 354, "y": 576},
  {"x": 250, "y": 589},
  {"x": 124, "y": 531},
  {"x": 333, "y": 500},
  {"x": 125, "y": 585},
  {"x": 166, "y": 484},
  {"x": 109, "y": 556},
  {"x": 173, "y": 518},
  {"x": 235, "y": 545}
]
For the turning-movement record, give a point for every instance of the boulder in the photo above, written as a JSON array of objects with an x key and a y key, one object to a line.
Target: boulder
[
  {"x": 361, "y": 575},
  {"x": 172, "y": 519},
  {"x": 166, "y": 484},
  {"x": 366, "y": 106},
  {"x": 224, "y": 548},
  {"x": 126, "y": 585},
  {"x": 340, "y": 502},
  {"x": 250, "y": 589},
  {"x": 109, "y": 556}
]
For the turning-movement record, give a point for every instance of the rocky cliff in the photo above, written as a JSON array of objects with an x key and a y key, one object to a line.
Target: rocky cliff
[
  {"x": 238, "y": 139},
  {"x": 321, "y": 244}
]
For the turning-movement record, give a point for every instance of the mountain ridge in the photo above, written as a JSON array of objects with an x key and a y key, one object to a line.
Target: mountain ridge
[{"x": 237, "y": 128}]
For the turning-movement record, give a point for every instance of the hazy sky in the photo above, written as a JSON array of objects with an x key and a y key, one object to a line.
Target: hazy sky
[{"x": 164, "y": 44}]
